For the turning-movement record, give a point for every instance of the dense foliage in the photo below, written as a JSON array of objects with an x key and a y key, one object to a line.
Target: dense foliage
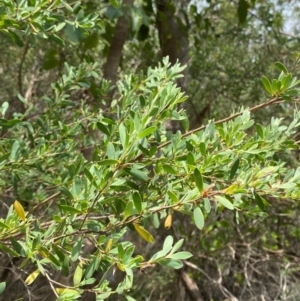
[{"x": 101, "y": 184}]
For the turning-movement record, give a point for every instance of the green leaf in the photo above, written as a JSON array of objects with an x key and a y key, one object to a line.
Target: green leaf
[
  {"x": 260, "y": 131},
  {"x": 114, "y": 3},
  {"x": 274, "y": 85},
  {"x": 167, "y": 246},
  {"x": 147, "y": 131},
  {"x": 88, "y": 175},
  {"x": 69, "y": 209},
  {"x": 128, "y": 209},
  {"x": 180, "y": 255},
  {"x": 281, "y": 67},
  {"x": 103, "y": 128},
  {"x": 18, "y": 247},
  {"x": 177, "y": 245},
  {"x": 15, "y": 38},
  {"x": 92, "y": 267},
  {"x": 58, "y": 252},
  {"x": 185, "y": 123},
  {"x": 88, "y": 281},
  {"x": 59, "y": 26},
  {"x": 66, "y": 192},
  {"x": 3, "y": 226},
  {"x": 57, "y": 39},
  {"x": 137, "y": 200},
  {"x": 9, "y": 251},
  {"x": 261, "y": 202},
  {"x": 77, "y": 274},
  {"x": 2, "y": 287},
  {"x": 14, "y": 150},
  {"x": 207, "y": 205},
  {"x": 128, "y": 254},
  {"x": 292, "y": 92},
  {"x": 171, "y": 263},
  {"x": 66, "y": 266},
  {"x": 223, "y": 201},
  {"x": 76, "y": 249},
  {"x": 108, "y": 162},
  {"x": 155, "y": 220},
  {"x": 198, "y": 179},
  {"x": 66, "y": 5},
  {"x": 54, "y": 260},
  {"x": 123, "y": 135},
  {"x": 138, "y": 174},
  {"x": 267, "y": 85},
  {"x": 234, "y": 168},
  {"x": 169, "y": 169},
  {"x": 173, "y": 197},
  {"x": 190, "y": 159},
  {"x": 120, "y": 251},
  {"x": 198, "y": 218},
  {"x": 202, "y": 147},
  {"x": 111, "y": 152}
]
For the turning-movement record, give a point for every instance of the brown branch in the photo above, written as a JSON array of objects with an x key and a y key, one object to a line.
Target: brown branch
[
  {"x": 45, "y": 201},
  {"x": 51, "y": 285},
  {"x": 191, "y": 286}
]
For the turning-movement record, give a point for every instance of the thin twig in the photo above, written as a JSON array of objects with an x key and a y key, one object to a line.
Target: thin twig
[
  {"x": 20, "y": 76},
  {"x": 51, "y": 285}
]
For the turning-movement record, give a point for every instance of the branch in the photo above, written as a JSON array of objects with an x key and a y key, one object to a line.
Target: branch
[
  {"x": 51, "y": 285},
  {"x": 222, "y": 288},
  {"x": 191, "y": 286},
  {"x": 257, "y": 107}
]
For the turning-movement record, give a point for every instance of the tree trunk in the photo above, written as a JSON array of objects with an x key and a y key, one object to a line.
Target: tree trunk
[
  {"x": 173, "y": 35},
  {"x": 110, "y": 71},
  {"x": 173, "y": 40}
]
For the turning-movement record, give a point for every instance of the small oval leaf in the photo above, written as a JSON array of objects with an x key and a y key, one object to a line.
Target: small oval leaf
[
  {"x": 76, "y": 250},
  {"x": 137, "y": 200},
  {"x": 181, "y": 255},
  {"x": 108, "y": 162},
  {"x": 281, "y": 67},
  {"x": 168, "y": 221},
  {"x": 77, "y": 274},
  {"x": 226, "y": 203},
  {"x": 198, "y": 218},
  {"x": 267, "y": 84},
  {"x": 169, "y": 169},
  {"x": 147, "y": 132},
  {"x": 143, "y": 233},
  {"x": 198, "y": 179},
  {"x": 20, "y": 211},
  {"x": 32, "y": 277},
  {"x": 234, "y": 168},
  {"x": 108, "y": 245}
]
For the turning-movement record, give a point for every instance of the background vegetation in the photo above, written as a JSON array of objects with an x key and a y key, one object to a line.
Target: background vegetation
[{"x": 107, "y": 147}]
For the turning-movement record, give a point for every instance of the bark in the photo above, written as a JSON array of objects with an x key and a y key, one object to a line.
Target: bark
[
  {"x": 116, "y": 47},
  {"x": 173, "y": 39},
  {"x": 173, "y": 35}
]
